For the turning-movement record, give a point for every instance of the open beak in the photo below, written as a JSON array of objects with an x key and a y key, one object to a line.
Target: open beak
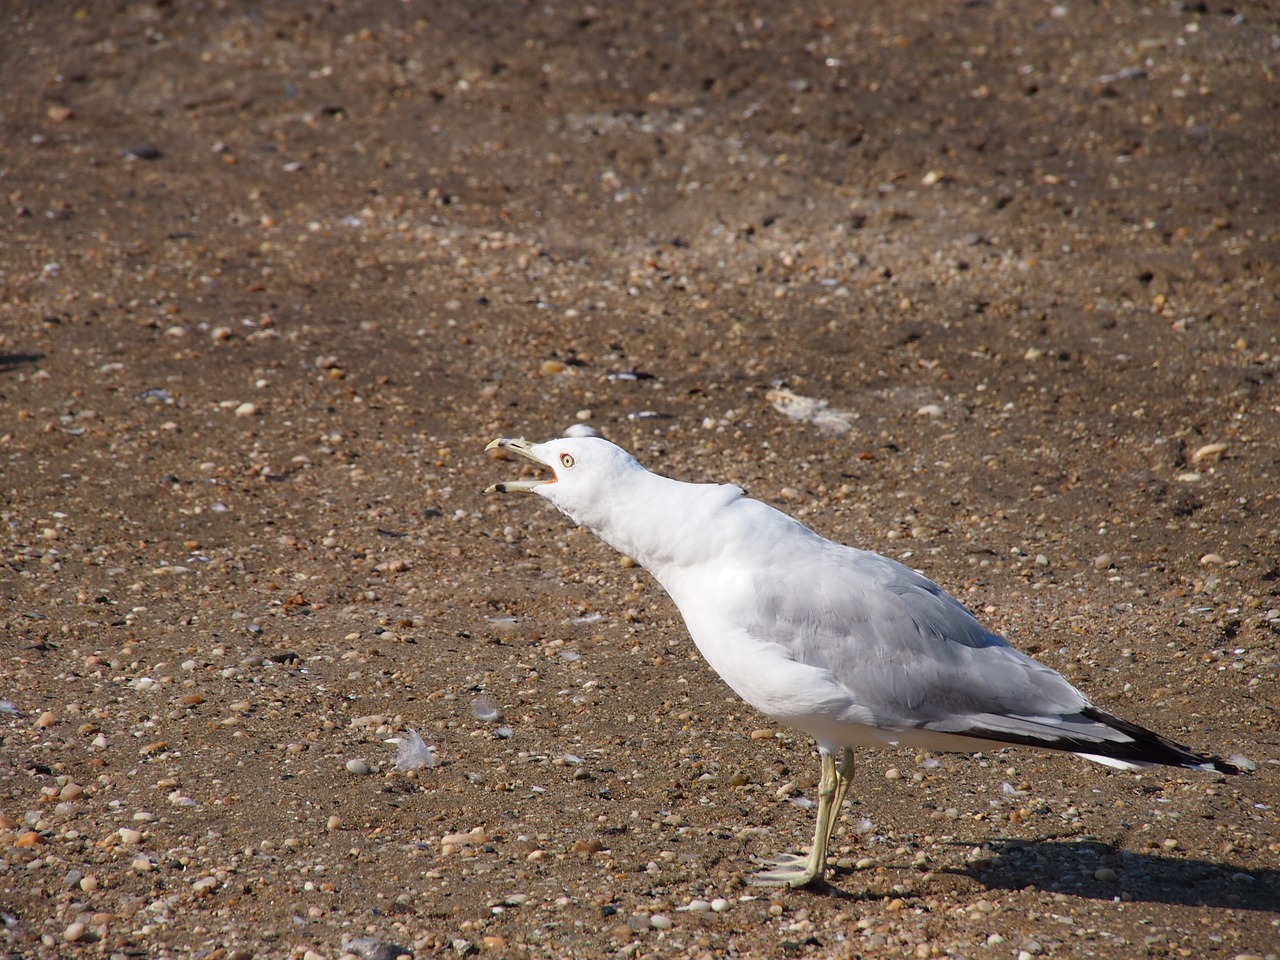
[{"x": 525, "y": 449}]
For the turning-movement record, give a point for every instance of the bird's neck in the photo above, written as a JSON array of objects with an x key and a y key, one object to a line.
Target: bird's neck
[{"x": 662, "y": 524}]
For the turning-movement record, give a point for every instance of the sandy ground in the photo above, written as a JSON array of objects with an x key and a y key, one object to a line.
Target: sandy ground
[{"x": 272, "y": 274}]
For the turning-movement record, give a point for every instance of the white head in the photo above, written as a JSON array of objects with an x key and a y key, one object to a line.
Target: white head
[{"x": 585, "y": 471}]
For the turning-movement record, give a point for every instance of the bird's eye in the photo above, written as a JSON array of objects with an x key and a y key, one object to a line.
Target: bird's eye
[{"x": 566, "y": 460}]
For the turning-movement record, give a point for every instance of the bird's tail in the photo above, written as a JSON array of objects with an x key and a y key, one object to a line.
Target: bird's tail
[{"x": 1144, "y": 748}]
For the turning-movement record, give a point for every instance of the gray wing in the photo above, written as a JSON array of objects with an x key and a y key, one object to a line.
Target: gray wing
[
  {"x": 905, "y": 649},
  {"x": 910, "y": 656}
]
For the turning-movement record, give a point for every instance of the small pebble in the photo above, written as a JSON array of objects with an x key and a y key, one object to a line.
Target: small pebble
[
  {"x": 660, "y": 921},
  {"x": 461, "y": 839},
  {"x": 204, "y": 886},
  {"x": 89, "y": 884},
  {"x": 719, "y": 904},
  {"x": 1105, "y": 875},
  {"x": 359, "y": 767},
  {"x": 46, "y": 720},
  {"x": 893, "y": 773},
  {"x": 929, "y": 410},
  {"x": 1102, "y": 561},
  {"x": 143, "y": 151},
  {"x": 371, "y": 948},
  {"x": 74, "y": 933},
  {"x": 129, "y": 836},
  {"x": 1210, "y": 559},
  {"x": 1210, "y": 451},
  {"x": 333, "y": 823},
  {"x": 246, "y": 409}
]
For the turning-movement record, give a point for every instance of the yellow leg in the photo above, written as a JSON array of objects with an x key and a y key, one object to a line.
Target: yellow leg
[
  {"x": 798, "y": 870},
  {"x": 842, "y": 772}
]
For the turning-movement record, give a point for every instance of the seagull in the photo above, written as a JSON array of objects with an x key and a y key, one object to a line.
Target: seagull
[{"x": 848, "y": 646}]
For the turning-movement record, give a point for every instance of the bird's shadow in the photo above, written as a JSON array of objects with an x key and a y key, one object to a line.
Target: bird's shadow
[{"x": 1103, "y": 871}]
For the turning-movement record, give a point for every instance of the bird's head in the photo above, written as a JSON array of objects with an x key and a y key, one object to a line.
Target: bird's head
[{"x": 583, "y": 470}]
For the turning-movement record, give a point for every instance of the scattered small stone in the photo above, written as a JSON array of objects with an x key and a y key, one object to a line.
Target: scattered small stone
[
  {"x": 46, "y": 720},
  {"x": 1102, "y": 561},
  {"x": 893, "y": 773},
  {"x": 74, "y": 933},
  {"x": 129, "y": 836},
  {"x": 143, "y": 151},
  {"x": 763, "y": 734},
  {"x": 719, "y": 905},
  {"x": 247, "y": 409},
  {"x": 660, "y": 921},
  {"x": 587, "y": 847},
  {"x": 476, "y": 836},
  {"x": 929, "y": 410},
  {"x": 333, "y": 823},
  {"x": 359, "y": 767},
  {"x": 1211, "y": 559},
  {"x": 1210, "y": 451},
  {"x": 371, "y": 948},
  {"x": 1105, "y": 875}
]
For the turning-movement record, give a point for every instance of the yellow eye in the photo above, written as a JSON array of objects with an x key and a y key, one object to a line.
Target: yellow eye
[{"x": 566, "y": 460}]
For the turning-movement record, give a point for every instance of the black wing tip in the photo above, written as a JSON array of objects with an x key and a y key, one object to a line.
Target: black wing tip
[
  {"x": 1229, "y": 767},
  {"x": 1147, "y": 746}
]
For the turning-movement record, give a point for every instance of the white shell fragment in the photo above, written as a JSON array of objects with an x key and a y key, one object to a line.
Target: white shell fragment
[{"x": 810, "y": 410}]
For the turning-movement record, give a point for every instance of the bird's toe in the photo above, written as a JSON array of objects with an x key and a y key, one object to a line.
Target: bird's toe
[{"x": 788, "y": 870}]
